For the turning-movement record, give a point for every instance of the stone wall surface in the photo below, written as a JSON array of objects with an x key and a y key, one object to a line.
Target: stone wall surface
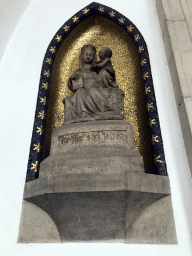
[{"x": 175, "y": 18}]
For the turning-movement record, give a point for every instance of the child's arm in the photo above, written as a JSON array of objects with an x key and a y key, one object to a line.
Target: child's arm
[{"x": 102, "y": 63}]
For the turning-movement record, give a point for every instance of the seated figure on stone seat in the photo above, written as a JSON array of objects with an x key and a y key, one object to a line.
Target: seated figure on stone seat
[{"x": 96, "y": 95}]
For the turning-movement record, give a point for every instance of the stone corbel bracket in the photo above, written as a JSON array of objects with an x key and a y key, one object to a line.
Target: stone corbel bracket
[{"x": 92, "y": 207}]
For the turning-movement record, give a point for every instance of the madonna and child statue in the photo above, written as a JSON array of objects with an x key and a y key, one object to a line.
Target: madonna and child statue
[
  {"x": 96, "y": 95},
  {"x": 93, "y": 184}
]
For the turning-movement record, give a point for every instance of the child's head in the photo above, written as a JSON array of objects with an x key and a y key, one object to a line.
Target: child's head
[{"x": 105, "y": 52}]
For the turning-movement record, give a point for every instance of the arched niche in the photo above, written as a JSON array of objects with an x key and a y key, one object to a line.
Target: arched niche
[{"x": 101, "y": 26}]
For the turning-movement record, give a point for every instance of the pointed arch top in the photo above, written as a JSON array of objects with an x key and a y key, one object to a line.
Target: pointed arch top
[{"x": 38, "y": 136}]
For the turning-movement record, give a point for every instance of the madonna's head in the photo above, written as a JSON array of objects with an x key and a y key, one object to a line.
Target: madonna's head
[{"x": 87, "y": 55}]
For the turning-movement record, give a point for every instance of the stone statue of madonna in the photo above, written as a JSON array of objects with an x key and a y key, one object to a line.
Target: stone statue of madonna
[{"x": 96, "y": 95}]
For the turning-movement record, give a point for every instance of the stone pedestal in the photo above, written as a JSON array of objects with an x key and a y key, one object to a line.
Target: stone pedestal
[
  {"x": 92, "y": 147},
  {"x": 93, "y": 184}
]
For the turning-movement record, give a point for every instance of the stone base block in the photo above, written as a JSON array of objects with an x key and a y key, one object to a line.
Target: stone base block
[
  {"x": 104, "y": 161},
  {"x": 92, "y": 147}
]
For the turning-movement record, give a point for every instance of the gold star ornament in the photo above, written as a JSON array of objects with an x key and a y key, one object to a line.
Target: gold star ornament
[
  {"x": 136, "y": 38},
  {"x": 145, "y": 75},
  {"x": 35, "y": 166},
  {"x": 53, "y": 49},
  {"x": 37, "y": 147},
  {"x": 140, "y": 49},
  {"x": 151, "y": 122},
  {"x": 101, "y": 9},
  {"x": 40, "y": 130},
  {"x": 157, "y": 159},
  {"x": 85, "y": 11},
  {"x": 58, "y": 38},
  {"x": 143, "y": 62},
  {"x": 66, "y": 28},
  {"x": 130, "y": 28},
  {"x": 49, "y": 60},
  {"x": 154, "y": 139},
  {"x": 112, "y": 14},
  {"x": 121, "y": 21},
  {"x": 42, "y": 114},
  {"x": 75, "y": 19},
  {"x": 43, "y": 100},
  {"x": 149, "y": 105},
  {"x": 45, "y": 85},
  {"x": 47, "y": 73},
  {"x": 147, "y": 89}
]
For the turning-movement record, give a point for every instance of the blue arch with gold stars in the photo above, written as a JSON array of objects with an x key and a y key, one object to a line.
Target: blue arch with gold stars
[{"x": 38, "y": 136}]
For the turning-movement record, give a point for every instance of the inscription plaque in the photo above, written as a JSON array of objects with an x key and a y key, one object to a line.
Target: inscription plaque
[{"x": 93, "y": 137}]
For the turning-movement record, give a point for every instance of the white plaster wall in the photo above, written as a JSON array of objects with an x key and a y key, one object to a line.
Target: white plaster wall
[
  {"x": 19, "y": 78},
  {"x": 179, "y": 22},
  {"x": 10, "y": 14}
]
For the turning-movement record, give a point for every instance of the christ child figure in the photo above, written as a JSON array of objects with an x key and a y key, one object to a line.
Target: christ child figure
[{"x": 106, "y": 76}]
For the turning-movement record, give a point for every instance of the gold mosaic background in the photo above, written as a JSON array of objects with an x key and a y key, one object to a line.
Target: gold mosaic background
[{"x": 101, "y": 32}]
